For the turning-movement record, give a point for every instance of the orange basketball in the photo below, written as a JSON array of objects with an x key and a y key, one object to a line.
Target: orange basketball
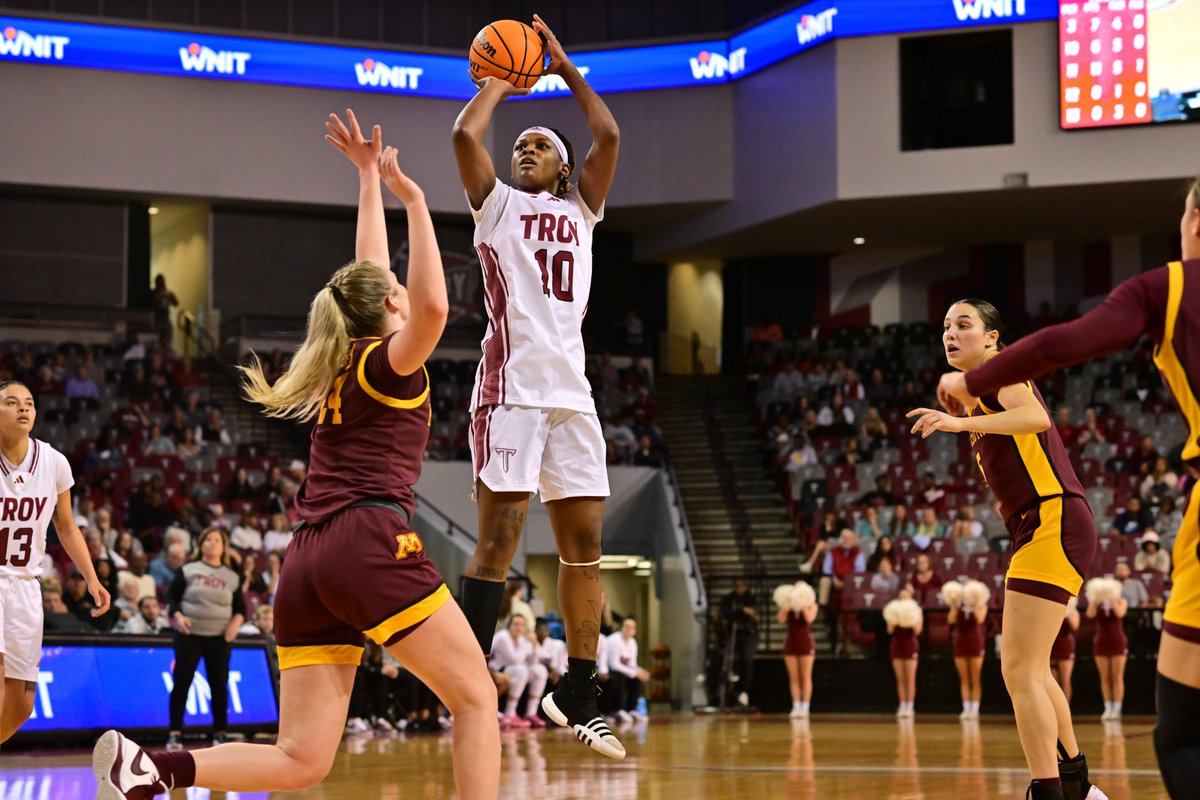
[{"x": 509, "y": 50}]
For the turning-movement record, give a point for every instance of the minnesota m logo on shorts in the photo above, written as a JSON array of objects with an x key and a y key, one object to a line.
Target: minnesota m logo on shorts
[{"x": 408, "y": 543}]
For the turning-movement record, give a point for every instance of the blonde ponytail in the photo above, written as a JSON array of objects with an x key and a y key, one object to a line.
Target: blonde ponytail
[{"x": 350, "y": 306}]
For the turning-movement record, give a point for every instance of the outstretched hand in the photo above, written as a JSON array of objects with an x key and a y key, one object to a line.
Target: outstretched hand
[
  {"x": 953, "y": 394},
  {"x": 931, "y": 420},
  {"x": 348, "y": 139},
  {"x": 394, "y": 178},
  {"x": 558, "y": 58}
]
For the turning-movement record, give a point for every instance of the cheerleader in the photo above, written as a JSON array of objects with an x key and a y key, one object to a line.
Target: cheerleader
[
  {"x": 904, "y": 622},
  {"x": 968, "y": 613},
  {"x": 1108, "y": 608},
  {"x": 798, "y": 608},
  {"x": 513, "y": 654},
  {"x": 1062, "y": 654}
]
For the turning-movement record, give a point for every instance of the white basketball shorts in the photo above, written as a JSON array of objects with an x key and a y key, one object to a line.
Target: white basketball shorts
[
  {"x": 21, "y": 627},
  {"x": 555, "y": 451}
]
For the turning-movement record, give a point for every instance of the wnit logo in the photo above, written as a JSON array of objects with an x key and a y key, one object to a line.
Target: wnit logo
[
  {"x": 375, "y": 73},
  {"x": 16, "y": 42},
  {"x": 815, "y": 26},
  {"x": 988, "y": 9},
  {"x": 707, "y": 66},
  {"x": 197, "y": 58}
]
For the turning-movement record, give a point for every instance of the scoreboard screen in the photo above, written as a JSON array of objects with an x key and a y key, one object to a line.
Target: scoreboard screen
[{"x": 1128, "y": 62}]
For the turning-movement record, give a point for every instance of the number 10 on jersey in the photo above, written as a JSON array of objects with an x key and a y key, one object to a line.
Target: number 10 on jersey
[{"x": 558, "y": 273}]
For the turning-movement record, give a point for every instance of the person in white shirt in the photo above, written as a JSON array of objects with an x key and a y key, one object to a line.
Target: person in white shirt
[
  {"x": 550, "y": 653},
  {"x": 279, "y": 537},
  {"x": 246, "y": 534},
  {"x": 513, "y": 654},
  {"x": 627, "y": 676},
  {"x": 148, "y": 620}
]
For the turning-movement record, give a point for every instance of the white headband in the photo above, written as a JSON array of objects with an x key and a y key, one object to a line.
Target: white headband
[{"x": 552, "y": 136}]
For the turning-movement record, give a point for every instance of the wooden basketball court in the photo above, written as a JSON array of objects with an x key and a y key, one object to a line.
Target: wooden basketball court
[{"x": 695, "y": 758}]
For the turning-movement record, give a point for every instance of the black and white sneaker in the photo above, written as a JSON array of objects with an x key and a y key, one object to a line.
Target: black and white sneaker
[
  {"x": 575, "y": 708},
  {"x": 123, "y": 770}
]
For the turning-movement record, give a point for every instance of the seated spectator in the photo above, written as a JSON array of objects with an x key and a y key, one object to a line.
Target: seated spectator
[
  {"x": 1151, "y": 556},
  {"x": 189, "y": 446},
  {"x": 830, "y": 527},
  {"x": 1133, "y": 520},
  {"x": 840, "y": 562},
  {"x": 642, "y": 408},
  {"x": 639, "y": 374},
  {"x": 924, "y": 581},
  {"x": 103, "y": 453},
  {"x": 868, "y": 527},
  {"x": 284, "y": 502},
  {"x": 965, "y": 525},
  {"x": 928, "y": 529},
  {"x": 1167, "y": 522},
  {"x": 1144, "y": 457},
  {"x": 881, "y": 495},
  {"x": 1067, "y": 432},
  {"x": 646, "y": 455},
  {"x": 513, "y": 654},
  {"x": 900, "y": 524},
  {"x": 213, "y": 430},
  {"x": 1132, "y": 589},
  {"x": 239, "y": 487},
  {"x": 148, "y": 507},
  {"x": 130, "y": 420},
  {"x": 879, "y": 391},
  {"x": 128, "y": 594},
  {"x": 246, "y": 535},
  {"x": 263, "y": 623},
  {"x": 852, "y": 452},
  {"x": 124, "y": 550},
  {"x": 158, "y": 443},
  {"x": 628, "y": 679},
  {"x": 883, "y": 549},
  {"x": 885, "y": 580},
  {"x": 148, "y": 620},
  {"x": 931, "y": 491},
  {"x": 780, "y": 436},
  {"x": 81, "y": 385},
  {"x": 102, "y": 524},
  {"x": 167, "y": 563},
  {"x": 46, "y": 385},
  {"x": 78, "y": 601},
  {"x": 253, "y": 580},
  {"x": 875, "y": 430},
  {"x": 1090, "y": 430},
  {"x": 621, "y": 440},
  {"x": 138, "y": 564},
  {"x": 279, "y": 536},
  {"x": 853, "y": 389},
  {"x": 837, "y": 418},
  {"x": 550, "y": 652},
  {"x": 1160, "y": 482},
  {"x": 100, "y": 553},
  {"x": 798, "y": 456},
  {"x": 909, "y": 397},
  {"x": 788, "y": 384},
  {"x": 184, "y": 375},
  {"x": 57, "y": 617}
]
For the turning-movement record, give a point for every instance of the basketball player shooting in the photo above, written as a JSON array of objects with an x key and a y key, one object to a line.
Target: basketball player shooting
[{"x": 534, "y": 425}]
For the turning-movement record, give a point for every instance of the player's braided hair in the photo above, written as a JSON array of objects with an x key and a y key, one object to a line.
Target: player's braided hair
[
  {"x": 988, "y": 315},
  {"x": 564, "y": 184},
  {"x": 349, "y": 306}
]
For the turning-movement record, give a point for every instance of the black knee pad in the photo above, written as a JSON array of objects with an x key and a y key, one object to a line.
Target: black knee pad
[{"x": 1177, "y": 738}]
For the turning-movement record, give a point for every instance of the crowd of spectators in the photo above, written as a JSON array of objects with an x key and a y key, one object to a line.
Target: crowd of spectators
[{"x": 877, "y": 509}]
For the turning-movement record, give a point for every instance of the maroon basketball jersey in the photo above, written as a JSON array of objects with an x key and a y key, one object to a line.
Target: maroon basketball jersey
[
  {"x": 369, "y": 437},
  {"x": 1026, "y": 469}
]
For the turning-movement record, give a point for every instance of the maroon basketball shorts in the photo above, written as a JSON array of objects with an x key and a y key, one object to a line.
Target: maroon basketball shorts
[
  {"x": 362, "y": 572},
  {"x": 1053, "y": 544}
]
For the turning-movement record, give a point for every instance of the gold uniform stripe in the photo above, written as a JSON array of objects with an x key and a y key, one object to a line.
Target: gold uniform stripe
[
  {"x": 315, "y": 655},
  {"x": 394, "y": 402},
  {"x": 1037, "y": 463},
  {"x": 418, "y": 612},
  {"x": 1042, "y": 558},
  {"x": 1168, "y": 363}
]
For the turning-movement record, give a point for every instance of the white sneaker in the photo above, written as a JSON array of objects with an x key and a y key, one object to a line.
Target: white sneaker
[
  {"x": 743, "y": 699},
  {"x": 796, "y": 713},
  {"x": 639, "y": 716},
  {"x": 382, "y": 726},
  {"x": 624, "y": 716},
  {"x": 357, "y": 726},
  {"x": 1108, "y": 713},
  {"x": 966, "y": 714},
  {"x": 1095, "y": 794},
  {"x": 122, "y": 769}
]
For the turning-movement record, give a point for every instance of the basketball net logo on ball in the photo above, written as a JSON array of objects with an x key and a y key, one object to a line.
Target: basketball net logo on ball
[{"x": 509, "y": 50}]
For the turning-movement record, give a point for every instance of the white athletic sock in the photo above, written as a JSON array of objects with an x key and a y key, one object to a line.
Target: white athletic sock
[
  {"x": 804, "y": 705},
  {"x": 1108, "y": 707},
  {"x": 797, "y": 705},
  {"x": 1117, "y": 708}
]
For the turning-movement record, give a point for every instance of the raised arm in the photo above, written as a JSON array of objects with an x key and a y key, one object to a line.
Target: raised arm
[
  {"x": 475, "y": 166},
  {"x": 1132, "y": 309},
  {"x": 1023, "y": 414},
  {"x": 370, "y": 238},
  {"x": 428, "y": 303},
  {"x": 596, "y": 177}
]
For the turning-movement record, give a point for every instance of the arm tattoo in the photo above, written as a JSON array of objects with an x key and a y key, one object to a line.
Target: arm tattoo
[{"x": 489, "y": 574}]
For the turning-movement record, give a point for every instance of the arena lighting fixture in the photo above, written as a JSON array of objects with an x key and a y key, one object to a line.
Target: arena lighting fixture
[
  {"x": 859, "y": 240},
  {"x": 152, "y": 210}
]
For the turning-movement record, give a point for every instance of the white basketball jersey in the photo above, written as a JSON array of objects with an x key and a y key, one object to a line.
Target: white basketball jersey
[
  {"x": 536, "y": 255},
  {"x": 28, "y": 496}
]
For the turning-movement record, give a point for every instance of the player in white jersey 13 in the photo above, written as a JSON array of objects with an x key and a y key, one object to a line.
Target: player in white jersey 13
[
  {"x": 35, "y": 488},
  {"x": 533, "y": 421}
]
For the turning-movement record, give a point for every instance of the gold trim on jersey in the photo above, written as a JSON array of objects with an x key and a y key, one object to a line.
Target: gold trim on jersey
[
  {"x": 1172, "y": 369},
  {"x": 417, "y": 612},
  {"x": 394, "y": 402},
  {"x": 318, "y": 654},
  {"x": 1033, "y": 458}
]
